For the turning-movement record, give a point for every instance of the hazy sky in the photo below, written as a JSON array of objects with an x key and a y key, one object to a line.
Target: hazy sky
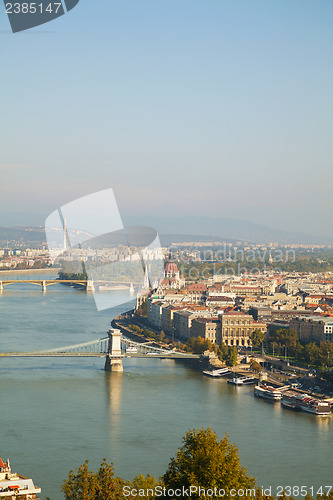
[{"x": 216, "y": 107}]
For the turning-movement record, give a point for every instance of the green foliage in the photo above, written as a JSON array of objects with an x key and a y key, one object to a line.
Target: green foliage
[
  {"x": 232, "y": 359},
  {"x": 223, "y": 352},
  {"x": 202, "y": 461},
  {"x": 88, "y": 485},
  {"x": 179, "y": 346},
  {"x": 310, "y": 353},
  {"x": 198, "y": 345},
  {"x": 255, "y": 366},
  {"x": 257, "y": 338},
  {"x": 73, "y": 276},
  {"x": 142, "y": 331},
  {"x": 205, "y": 461},
  {"x": 196, "y": 270},
  {"x": 146, "y": 484}
]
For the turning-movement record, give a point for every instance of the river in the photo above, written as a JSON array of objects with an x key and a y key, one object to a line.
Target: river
[{"x": 56, "y": 413}]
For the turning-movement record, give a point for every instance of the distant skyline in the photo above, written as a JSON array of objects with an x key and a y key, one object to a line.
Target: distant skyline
[{"x": 221, "y": 108}]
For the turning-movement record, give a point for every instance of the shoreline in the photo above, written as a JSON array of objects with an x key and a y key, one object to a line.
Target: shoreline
[{"x": 31, "y": 271}]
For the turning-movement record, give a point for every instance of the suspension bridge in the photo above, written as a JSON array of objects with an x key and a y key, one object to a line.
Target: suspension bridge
[{"x": 114, "y": 348}]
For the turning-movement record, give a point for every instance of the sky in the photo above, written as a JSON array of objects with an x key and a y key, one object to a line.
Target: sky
[{"x": 221, "y": 108}]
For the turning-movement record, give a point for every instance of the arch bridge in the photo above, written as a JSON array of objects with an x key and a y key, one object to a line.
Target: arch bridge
[{"x": 88, "y": 285}]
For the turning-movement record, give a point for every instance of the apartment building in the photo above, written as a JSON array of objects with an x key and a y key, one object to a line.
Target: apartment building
[
  {"x": 205, "y": 328},
  {"x": 313, "y": 328}
]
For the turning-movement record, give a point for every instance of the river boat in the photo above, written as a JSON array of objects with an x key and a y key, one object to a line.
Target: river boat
[
  {"x": 291, "y": 400},
  {"x": 216, "y": 373},
  {"x": 242, "y": 380},
  {"x": 315, "y": 406},
  {"x": 131, "y": 350},
  {"x": 267, "y": 392}
]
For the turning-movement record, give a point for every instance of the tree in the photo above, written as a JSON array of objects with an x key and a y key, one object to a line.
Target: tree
[
  {"x": 223, "y": 352},
  {"x": 311, "y": 352},
  {"x": 257, "y": 338},
  {"x": 284, "y": 338},
  {"x": 232, "y": 359},
  {"x": 198, "y": 345},
  {"x": 255, "y": 366},
  {"x": 145, "y": 486},
  {"x": 205, "y": 461},
  {"x": 87, "y": 485}
]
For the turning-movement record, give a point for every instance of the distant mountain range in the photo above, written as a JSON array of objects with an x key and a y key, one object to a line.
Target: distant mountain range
[
  {"x": 22, "y": 235},
  {"x": 188, "y": 228},
  {"x": 225, "y": 229}
]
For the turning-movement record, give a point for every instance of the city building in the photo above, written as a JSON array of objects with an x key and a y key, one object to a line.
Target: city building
[
  {"x": 172, "y": 278},
  {"x": 235, "y": 329},
  {"x": 14, "y": 486},
  {"x": 313, "y": 328},
  {"x": 205, "y": 328}
]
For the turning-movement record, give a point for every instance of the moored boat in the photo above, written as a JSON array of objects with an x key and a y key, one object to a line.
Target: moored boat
[
  {"x": 315, "y": 406},
  {"x": 216, "y": 373},
  {"x": 267, "y": 392},
  {"x": 242, "y": 380},
  {"x": 291, "y": 400}
]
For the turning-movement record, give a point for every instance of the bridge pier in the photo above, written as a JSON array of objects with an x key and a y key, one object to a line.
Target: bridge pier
[
  {"x": 90, "y": 286},
  {"x": 1, "y": 287},
  {"x": 44, "y": 286},
  {"x": 114, "y": 362}
]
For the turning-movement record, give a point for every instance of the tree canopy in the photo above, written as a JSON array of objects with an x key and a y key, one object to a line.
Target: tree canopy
[
  {"x": 88, "y": 485},
  {"x": 257, "y": 337},
  {"x": 205, "y": 461}
]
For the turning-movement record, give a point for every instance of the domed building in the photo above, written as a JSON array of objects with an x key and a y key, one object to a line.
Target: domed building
[
  {"x": 171, "y": 270},
  {"x": 172, "y": 278}
]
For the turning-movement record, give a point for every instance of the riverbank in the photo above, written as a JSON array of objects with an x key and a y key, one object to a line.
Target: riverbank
[
  {"x": 205, "y": 362},
  {"x": 47, "y": 270}
]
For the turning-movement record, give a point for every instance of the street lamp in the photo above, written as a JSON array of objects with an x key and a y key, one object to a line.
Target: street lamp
[{"x": 285, "y": 353}]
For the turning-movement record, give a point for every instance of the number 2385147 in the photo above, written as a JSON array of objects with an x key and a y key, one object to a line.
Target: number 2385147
[{"x": 32, "y": 8}]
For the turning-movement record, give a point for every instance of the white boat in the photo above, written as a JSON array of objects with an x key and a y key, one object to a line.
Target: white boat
[
  {"x": 315, "y": 406},
  {"x": 267, "y": 392},
  {"x": 216, "y": 373},
  {"x": 242, "y": 380},
  {"x": 131, "y": 349}
]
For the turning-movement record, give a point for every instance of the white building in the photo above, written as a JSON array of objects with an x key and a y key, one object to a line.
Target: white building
[{"x": 13, "y": 485}]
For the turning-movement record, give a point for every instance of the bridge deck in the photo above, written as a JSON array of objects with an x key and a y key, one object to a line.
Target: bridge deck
[{"x": 93, "y": 354}]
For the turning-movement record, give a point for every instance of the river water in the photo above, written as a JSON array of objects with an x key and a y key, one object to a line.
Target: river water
[{"x": 56, "y": 413}]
